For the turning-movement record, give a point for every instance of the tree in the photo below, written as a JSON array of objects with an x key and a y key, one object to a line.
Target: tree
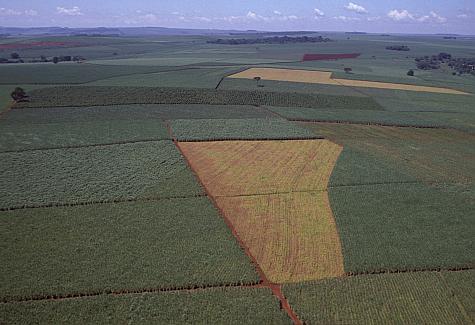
[
  {"x": 257, "y": 79},
  {"x": 348, "y": 70},
  {"x": 15, "y": 56},
  {"x": 410, "y": 73},
  {"x": 55, "y": 60},
  {"x": 19, "y": 95}
]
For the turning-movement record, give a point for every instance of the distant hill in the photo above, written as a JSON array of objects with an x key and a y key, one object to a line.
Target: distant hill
[{"x": 105, "y": 31}]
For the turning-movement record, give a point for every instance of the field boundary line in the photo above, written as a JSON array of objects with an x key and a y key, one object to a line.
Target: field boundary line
[
  {"x": 112, "y": 201},
  {"x": 276, "y": 288},
  {"x": 86, "y": 145},
  {"x": 417, "y": 126},
  {"x": 120, "y": 292},
  {"x": 414, "y": 270},
  {"x": 270, "y": 193},
  {"x": 316, "y": 137}
]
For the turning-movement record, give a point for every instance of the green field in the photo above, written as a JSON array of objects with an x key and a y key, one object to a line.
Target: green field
[
  {"x": 222, "y": 306},
  {"x": 26, "y": 136},
  {"x": 103, "y": 220},
  {"x": 406, "y": 298},
  {"x": 172, "y": 243},
  {"x": 85, "y": 175},
  {"x": 433, "y": 232},
  {"x": 104, "y": 95},
  {"x": 139, "y": 112},
  {"x": 219, "y": 129}
]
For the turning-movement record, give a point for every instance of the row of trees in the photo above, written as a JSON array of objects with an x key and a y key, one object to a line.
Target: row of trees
[
  {"x": 16, "y": 58},
  {"x": 270, "y": 40}
]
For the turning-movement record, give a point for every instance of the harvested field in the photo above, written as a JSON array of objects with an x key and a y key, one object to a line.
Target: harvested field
[
  {"x": 274, "y": 194},
  {"x": 229, "y": 168},
  {"x": 292, "y": 236},
  {"x": 324, "y": 77},
  {"x": 319, "y": 57}
]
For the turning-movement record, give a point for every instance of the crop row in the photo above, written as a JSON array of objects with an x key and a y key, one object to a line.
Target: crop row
[{"x": 97, "y": 96}]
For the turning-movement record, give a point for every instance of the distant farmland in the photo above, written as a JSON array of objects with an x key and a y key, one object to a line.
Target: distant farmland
[{"x": 322, "y": 57}]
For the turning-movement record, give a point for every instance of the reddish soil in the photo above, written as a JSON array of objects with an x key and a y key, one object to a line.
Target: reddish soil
[
  {"x": 318, "y": 57},
  {"x": 17, "y": 46}
]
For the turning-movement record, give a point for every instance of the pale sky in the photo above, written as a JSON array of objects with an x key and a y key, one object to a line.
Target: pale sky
[{"x": 380, "y": 16}]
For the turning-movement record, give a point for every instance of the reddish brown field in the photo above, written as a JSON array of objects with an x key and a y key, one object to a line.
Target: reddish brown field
[
  {"x": 19, "y": 46},
  {"x": 274, "y": 193},
  {"x": 320, "y": 57}
]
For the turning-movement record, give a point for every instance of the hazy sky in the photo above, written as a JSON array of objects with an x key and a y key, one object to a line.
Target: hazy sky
[{"x": 404, "y": 16}]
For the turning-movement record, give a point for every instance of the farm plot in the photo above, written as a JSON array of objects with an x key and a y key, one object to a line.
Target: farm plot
[
  {"x": 67, "y": 73},
  {"x": 286, "y": 86},
  {"x": 406, "y": 298},
  {"x": 324, "y": 77},
  {"x": 107, "y": 173},
  {"x": 236, "y": 129},
  {"x": 140, "y": 112},
  {"x": 292, "y": 236},
  {"x": 274, "y": 194},
  {"x": 394, "y": 227},
  {"x": 319, "y": 57},
  {"x": 96, "y": 96},
  {"x": 212, "y": 306},
  {"x": 184, "y": 78},
  {"x": 425, "y": 119},
  {"x": 401, "y": 151},
  {"x": 122, "y": 247},
  {"x": 230, "y": 168},
  {"x": 25, "y": 136}
]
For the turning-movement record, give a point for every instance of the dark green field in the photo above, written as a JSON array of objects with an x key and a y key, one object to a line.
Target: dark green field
[{"x": 103, "y": 220}]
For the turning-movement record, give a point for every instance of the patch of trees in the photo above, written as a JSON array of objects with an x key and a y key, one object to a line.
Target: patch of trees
[
  {"x": 15, "y": 58},
  {"x": 270, "y": 40},
  {"x": 19, "y": 95},
  {"x": 398, "y": 48},
  {"x": 460, "y": 65}
]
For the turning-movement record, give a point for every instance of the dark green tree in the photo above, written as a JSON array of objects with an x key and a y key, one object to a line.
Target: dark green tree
[
  {"x": 410, "y": 73},
  {"x": 19, "y": 95}
]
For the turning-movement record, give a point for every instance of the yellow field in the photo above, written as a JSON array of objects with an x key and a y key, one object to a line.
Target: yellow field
[
  {"x": 229, "y": 168},
  {"x": 323, "y": 77},
  {"x": 291, "y": 234}
]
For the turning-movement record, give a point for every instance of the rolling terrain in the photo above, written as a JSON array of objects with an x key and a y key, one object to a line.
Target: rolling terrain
[{"x": 156, "y": 180}]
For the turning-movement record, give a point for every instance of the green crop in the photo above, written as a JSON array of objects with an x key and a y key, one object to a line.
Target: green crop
[
  {"x": 95, "y": 174},
  {"x": 132, "y": 246},
  {"x": 406, "y": 298}
]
